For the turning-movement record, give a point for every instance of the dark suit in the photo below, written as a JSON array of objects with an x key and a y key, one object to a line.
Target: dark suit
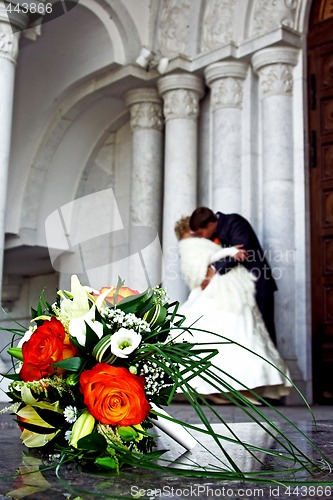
[{"x": 233, "y": 229}]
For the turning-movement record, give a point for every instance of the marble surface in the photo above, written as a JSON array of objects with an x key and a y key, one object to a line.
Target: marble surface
[{"x": 74, "y": 484}]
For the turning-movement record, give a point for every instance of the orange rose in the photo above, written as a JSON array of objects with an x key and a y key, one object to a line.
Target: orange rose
[
  {"x": 46, "y": 345},
  {"x": 114, "y": 395},
  {"x": 123, "y": 292}
]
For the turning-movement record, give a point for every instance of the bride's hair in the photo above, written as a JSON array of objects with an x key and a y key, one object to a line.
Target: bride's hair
[{"x": 182, "y": 226}]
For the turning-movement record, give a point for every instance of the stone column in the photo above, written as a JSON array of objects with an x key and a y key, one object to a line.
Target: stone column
[
  {"x": 8, "y": 57},
  {"x": 146, "y": 185},
  {"x": 181, "y": 93},
  {"x": 275, "y": 69},
  {"x": 226, "y": 82}
]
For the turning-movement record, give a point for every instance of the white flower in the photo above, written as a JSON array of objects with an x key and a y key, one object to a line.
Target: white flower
[
  {"x": 77, "y": 326},
  {"x": 68, "y": 435},
  {"x": 124, "y": 341},
  {"x": 78, "y": 304},
  {"x": 70, "y": 414},
  {"x": 26, "y": 336}
]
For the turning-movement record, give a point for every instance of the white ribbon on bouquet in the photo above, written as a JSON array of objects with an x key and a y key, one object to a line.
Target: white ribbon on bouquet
[{"x": 173, "y": 429}]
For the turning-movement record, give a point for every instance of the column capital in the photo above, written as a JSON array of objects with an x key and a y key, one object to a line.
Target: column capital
[
  {"x": 8, "y": 38},
  {"x": 136, "y": 96},
  {"x": 226, "y": 82},
  {"x": 226, "y": 69},
  {"x": 274, "y": 55},
  {"x": 181, "y": 93},
  {"x": 185, "y": 81},
  {"x": 274, "y": 67},
  {"x": 146, "y": 109}
]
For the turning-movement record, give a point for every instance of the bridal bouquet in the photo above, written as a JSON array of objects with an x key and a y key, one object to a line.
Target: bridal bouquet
[
  {"x": 91, "y": 374},
  {"x": 91, "y": 370}
]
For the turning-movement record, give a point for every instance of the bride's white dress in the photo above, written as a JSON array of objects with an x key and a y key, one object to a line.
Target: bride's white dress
[{"x": 227, "y": 307}]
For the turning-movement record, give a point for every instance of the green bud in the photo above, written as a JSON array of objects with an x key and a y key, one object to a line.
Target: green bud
[
  {"x": 15, "y": 352},
  {"x": 127, "y": 433},
  {"x": 133, "y": 370},
  {"x": 72, "y": 379},
  {"x": 107, "y": 463},
  {"x": 83, "y": 426}
]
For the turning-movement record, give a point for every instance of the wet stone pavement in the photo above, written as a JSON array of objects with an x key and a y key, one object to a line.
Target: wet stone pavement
[{"x": 74, "y": 484}]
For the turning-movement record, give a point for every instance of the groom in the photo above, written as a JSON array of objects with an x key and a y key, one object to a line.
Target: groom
[{"x": 230, "y": 230}]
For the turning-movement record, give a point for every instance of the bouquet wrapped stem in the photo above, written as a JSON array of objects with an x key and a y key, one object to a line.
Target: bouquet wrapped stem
[{"x": 173, "y": 429}]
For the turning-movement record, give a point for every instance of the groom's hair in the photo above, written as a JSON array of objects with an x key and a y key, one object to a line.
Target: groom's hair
[{"x": 201, "y": 217}]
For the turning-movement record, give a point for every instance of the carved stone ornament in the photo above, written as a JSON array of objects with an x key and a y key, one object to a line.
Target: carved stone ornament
[
  {"x": 181, "y": 103},
  {"x": 325, "y": 10},
  {"x": 275, "y": 68},
  {"x": 276, "y": 79},
  {"x": 173, "y": 28},
  {"x": 8, "y": 45},
  {"x": 269, "y": 14},
  {"x": 146, "y": 115},
  {"x": 227, "y": 93},
  {"x": 217, "y": 23}
]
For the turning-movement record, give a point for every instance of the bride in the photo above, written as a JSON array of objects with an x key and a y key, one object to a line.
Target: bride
[{"x": 227, "y": 306}]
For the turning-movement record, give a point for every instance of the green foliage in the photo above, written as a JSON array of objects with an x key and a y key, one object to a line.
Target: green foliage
[
  {"x": 92, "y": 442},
  {"x": 71, "y": 364}
]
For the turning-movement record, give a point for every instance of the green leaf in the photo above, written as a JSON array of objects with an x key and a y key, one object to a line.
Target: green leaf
[
  {"x": 39, "y": 309},
  {"x": 153, "y": 455},
  {"x": 156, "y": 315},
  {"x": 92, "y": 442},
  {"x": 91, "y": 338},
  {"x": 15, "y": 352},
  {"x": 38, "y": 429},
  {"x": 148, "y": 304},
  {"x": 50, "y": 417},
  {"x": 101, "y": 347},
  {"x": 71, "y": 364},
  {"x": 134, "y": 302},
  {"x": 107, "y": 463},
  {"x": 11, "y": 376},
  {"x": 34, "y": 313}
]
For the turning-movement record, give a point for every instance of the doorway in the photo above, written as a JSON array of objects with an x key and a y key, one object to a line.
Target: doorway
[{"x": 320, "y": 105}]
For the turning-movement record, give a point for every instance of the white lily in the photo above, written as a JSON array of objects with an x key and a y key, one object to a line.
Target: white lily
[
  {"x": 29, "y": 415},
  {"x": 124, "y": 342},
  {"x": 78, "y": 304},
  {"x": 77, "y": 326},
  {"x": 100, "y": 299}
]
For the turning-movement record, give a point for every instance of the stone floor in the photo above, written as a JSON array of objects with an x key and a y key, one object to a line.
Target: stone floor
[{"x": 72, "y": 484}]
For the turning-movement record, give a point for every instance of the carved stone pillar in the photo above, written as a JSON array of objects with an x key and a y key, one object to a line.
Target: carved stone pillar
[
  {"x": 147, "y": 125},
  {"x": 8, "y": 57},
  {"x": 146, "y": 180},
  {"x": 226, "y": 82},
  {"x": 181, "y": 94},
  {"x": 275, "y": 69}
]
